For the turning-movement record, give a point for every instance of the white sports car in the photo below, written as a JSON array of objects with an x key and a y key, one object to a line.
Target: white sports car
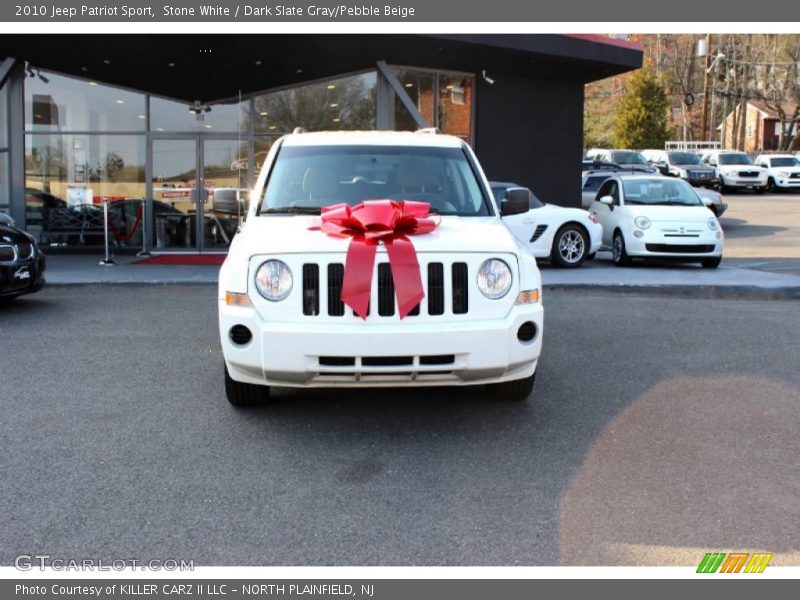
[
  {"x": 657, "y": 217},
  {"x": 566, "y": 236}
]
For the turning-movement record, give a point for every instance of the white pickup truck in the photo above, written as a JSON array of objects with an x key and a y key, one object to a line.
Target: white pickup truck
[{"x": 301, "y": 306}]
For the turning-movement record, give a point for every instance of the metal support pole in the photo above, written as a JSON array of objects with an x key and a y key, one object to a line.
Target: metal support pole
[{"x": 107, "y": 261}]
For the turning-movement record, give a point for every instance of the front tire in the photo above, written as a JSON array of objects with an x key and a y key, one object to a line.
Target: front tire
[
  {"x": 618, "y": 253},
  {"x": 711, "y": 263},
  {"x": 771, "y": 187},
  {"x": 244, "y": 394},
  {"x": 569, "y": 247},
  {"x": 516, "y": 391},
  {"x": 722, "y": 187}
]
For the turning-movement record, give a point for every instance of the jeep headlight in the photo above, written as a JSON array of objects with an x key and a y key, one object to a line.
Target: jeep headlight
[
  {"x": 274, "y": 280},
  {"x": 642, "y": 222},
  {"x": 494, "y": 278},
  {"x": 712, "y": 224}
]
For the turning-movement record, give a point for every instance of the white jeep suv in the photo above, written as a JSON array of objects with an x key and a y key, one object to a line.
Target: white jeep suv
[{"x": 292, "y": 315}]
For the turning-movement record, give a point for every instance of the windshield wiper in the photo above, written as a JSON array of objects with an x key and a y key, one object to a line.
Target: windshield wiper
[{"x": 291, "y": 210}]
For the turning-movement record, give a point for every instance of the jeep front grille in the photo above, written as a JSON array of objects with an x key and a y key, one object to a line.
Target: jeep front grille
[{"x": 436, "y": 300}]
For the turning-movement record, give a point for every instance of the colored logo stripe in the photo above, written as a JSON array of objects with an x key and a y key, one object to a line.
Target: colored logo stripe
[
  {"x": 734, "y": 562},
  {"x": 711, "y": 562},
  {"x": 758, "y": 563}
]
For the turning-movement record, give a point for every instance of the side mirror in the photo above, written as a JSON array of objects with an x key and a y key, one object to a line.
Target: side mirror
[
  {"x": 707, "y": 201},
  {"x": 516, "y": 202},
  {"x": 606, "y": 200}
]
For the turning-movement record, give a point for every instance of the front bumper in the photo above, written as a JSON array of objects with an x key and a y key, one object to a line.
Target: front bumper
[
  {"x": 300, "y": 354},
  {"x": 595, "y": 237},
  {"x": 655, "y": 244},
  {"x": 22, "y": 276},
  {"x": 701, "y": 181},
  {"x": 787, "y": 182},
  {"x": 748, "y": 182}
]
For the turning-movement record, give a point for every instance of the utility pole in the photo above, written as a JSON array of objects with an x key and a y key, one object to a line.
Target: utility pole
[{"x": 704, "y": 130}]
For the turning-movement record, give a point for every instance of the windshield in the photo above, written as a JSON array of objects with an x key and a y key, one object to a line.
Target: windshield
[
  {"x": 683, "y": 158},
  {"x": 306, "y": 178},
  {"x": 785, "y": 161},
  {"x": 660, "y": 192},
  {"x": 628, "y": 158},
  {"x": 735, "y": 159}
]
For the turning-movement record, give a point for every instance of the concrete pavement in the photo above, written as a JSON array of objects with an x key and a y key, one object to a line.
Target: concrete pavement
[{"x": 658, "y": 429}]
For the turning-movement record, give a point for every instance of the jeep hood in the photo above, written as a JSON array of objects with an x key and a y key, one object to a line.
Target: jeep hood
[{"x": 291, "y": 234}]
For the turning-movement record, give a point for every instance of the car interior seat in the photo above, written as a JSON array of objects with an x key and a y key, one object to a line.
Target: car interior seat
[{"x": 320, "y": 183}]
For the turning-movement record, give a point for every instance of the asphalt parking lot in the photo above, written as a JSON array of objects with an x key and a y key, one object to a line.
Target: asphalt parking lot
[{"x": 659, "y": 428}]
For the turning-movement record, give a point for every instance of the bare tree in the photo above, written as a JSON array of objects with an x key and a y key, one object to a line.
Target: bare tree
[{"x": 779, "y": 84}]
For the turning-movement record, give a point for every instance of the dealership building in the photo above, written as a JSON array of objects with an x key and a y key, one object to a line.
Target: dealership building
[{"x": 172, "y": 130}]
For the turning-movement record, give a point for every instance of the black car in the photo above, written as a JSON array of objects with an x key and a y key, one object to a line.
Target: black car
[{"x": 21, "y": 263}]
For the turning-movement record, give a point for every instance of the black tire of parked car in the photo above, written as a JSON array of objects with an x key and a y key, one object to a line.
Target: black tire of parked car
[
  {"x": 771, "y": 185},
  {"x": 578, "y": 243},
  {"x": 244, "y": 394},
  {"x": 721, "y": 186},
  {"x": 618, "y": 254},
  {"x": 711, "y": 263},
  {"x": 515, "y": 391}
]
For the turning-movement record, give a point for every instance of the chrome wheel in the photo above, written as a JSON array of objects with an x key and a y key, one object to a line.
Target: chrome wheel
[{"x": 571, "y": 246}]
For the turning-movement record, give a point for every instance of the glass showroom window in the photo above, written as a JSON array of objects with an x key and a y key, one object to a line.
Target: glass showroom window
[
  {"x": 344, "y": 103},
  {"x": 420, "y": 86},
  {"x": 171, "y": 115},
  {"x": 66, "y": 178},
  {"x": 58, "y": 103},
  {"x": 455, "y": 105}
]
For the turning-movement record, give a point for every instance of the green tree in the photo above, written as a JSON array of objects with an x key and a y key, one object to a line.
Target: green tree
[{"x": 641, "y": 119}]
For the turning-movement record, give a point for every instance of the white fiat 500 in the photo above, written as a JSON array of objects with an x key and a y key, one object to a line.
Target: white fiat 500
[
  {"x": 657, "y": 217},
  {"x": 301, "y": 304}
]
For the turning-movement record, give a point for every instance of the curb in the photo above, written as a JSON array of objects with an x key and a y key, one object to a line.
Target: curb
[{"x": 708, "y": 292}]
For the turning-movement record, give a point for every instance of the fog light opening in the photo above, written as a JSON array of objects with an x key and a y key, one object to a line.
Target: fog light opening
[
  {"x": 526, "y": 332},
  {"x": 240, "y": 335}
]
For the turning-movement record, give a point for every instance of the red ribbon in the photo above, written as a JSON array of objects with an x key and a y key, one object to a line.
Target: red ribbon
[{"x": 368, "y": 224}]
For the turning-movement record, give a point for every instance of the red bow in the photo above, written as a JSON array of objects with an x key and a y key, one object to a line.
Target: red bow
[{"x": 368, "y": 224}]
